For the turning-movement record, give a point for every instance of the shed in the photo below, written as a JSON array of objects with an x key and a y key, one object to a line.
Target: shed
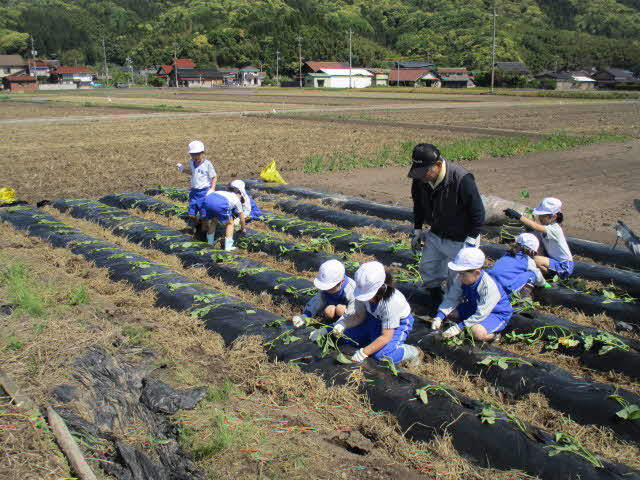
[
  {"x": 381, "y": 76},
  {"x": 19, "y": 82},
  {"x": 454, "y": 77},
  {"x": 412, "y": 77},
  {"x": 564, "y": 80},
  {"x": 340, "y": 78}
]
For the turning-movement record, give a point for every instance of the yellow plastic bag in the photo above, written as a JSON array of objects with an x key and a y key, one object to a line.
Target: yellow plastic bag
[
  {"x": 271, "y": 174},
  {"x": 7, "y": 194}
]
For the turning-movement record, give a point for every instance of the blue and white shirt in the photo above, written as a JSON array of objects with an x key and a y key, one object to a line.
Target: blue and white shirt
[
  {"x": 512, "y": 272},
  {"x": 202, "y": 175},
  {"x": 234, "y": 202},
  {"x": 555, "y": 243},
  {"x": 483, "y": 297},
  {"x": 389, "y": 311},
  {"x": 344, "y": 296}
]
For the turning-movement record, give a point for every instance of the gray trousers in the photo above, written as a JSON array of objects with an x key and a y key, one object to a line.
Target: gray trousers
[{"x": 436, "y": 254}]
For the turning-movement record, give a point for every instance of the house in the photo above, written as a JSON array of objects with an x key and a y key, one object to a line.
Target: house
[
  {"x": 202, "y": 77},
  {"x": 582, "y": 81},
  {"x": 19, "y": 82},
  {"x": 315, "y": 67},
  {"x": 412, "y": 77},
  {"x": 413, "y": 65},
  {"x": 250, "y": 76},
  {"x": 340, "y": 78},
  {"x": 512, "y": 68},
  {"x": 380, "y": 76},
  {"x": 80, "y": 76},
  {"x": 563, "y": 80},
  {"x": 454, "y": 77},
  {"x": 40, "y": 68},
  {"x": 11, "y": 64},
  {"x": 165, "y": 71},
  {"x": 610, "y": 77}
]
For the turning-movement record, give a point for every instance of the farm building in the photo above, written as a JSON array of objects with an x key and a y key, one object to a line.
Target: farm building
[
  {"x": 381, "y": 76},
  {"x": 80, "y": 76},
  {"x": 610, "y": 77},
  {"x": 315, "y": 67},
  {"x": 19, "y": 82},
  {"x": 199, "y": 77},
  {"x": 568, "y": 80},
  {"x": 512, "y": 68},
  {"x": 11, "y": 64},
  {"x": 453, "y": 77},
  {"x": 412, "y": 77},
  {"x": 340, "y": 78},
  {"x": 413, "y": 65},
  {"x": 250, "y": 76}
]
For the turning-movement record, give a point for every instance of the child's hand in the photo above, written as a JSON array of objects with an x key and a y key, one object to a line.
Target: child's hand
[
  {"x": 338, "y": 328},
  {"x": 320, "y": 332},
  {"x": 436, "y": 323},
  {"x": 359, "y": 356},
  {"x": 451, "y": 332},
  {"x": 511, "y": 213},
  {"x": 299, "y": 320},
  {"x": 179, "y": 167}
]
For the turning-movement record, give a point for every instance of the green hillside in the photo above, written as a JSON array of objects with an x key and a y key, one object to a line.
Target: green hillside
[{"x": 543, "y": 33}]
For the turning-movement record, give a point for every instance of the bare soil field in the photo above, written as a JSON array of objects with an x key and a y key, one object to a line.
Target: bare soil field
[
  {"x": 597, "y": 184},
  {"x": 16, "y": 109}
]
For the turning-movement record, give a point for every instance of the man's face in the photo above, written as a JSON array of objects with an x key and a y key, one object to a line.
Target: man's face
[{"x": 432, "y": 174}]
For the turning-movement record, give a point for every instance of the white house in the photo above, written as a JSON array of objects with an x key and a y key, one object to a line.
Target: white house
[
  {"x": 70, "y": 75},
  {"x": 339, "y": 78}
]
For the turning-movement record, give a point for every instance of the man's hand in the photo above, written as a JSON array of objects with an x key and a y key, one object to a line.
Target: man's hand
[
  {"x": 511, "y": 213},
  {"x": 179, "y": 167},
  {"x": 416, "y": 240}
]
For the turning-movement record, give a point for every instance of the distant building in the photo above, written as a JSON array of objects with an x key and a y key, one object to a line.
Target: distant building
[
  {"x": 512, "y": 68},
  {"x": 19, "y": 82},
  {"x": 568, "y": 80},
  {"x": 340, "y": 78},
  {"x": 202, "y": 77},
  {"x": 311, "y": 66},
  {"x": 610, "y": 77},
  {"x": 454, "y": 77},
  {"x": 250, "y": 76},
  {"x": 79, "y": 75},
  {"x": 11, "y": 64},
  {"x": 416, "y": 64},
  {"x": 380, "y": 76},
  {"x": 412, "y": 77}
]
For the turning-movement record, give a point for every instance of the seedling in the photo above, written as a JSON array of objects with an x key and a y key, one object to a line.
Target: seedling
[
  {"x": 253, "y": 271},
  {"x": 285, "y": 337},
  {"x": 464, "y": 337},
  {"x": 387, "y": 362},
  {"x": 423, "y": 393},
  {"x": 154, "y": 274},
  {"x": 274, "y": 324},
  {"x": 566, "y": 443},
  {"x": 488, "y": 415},
  {"x": 503, "y": 362},
  {"x": 630, "y": 411},
  {"x": 120, "y": 255},
  {"x": 176, "y": 286},
  {"x": 521, "y": 304}
]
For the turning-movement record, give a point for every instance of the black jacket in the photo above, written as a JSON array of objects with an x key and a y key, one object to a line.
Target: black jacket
[{"x": 454, "y": 209}]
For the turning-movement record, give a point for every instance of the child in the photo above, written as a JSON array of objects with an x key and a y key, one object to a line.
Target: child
[
  {"x": 516, "y": 271},
  {"x": 249, "y": 207},
  {"x": 559, "y": 260},
  {"x": 381, "y": 321},
  {"x": 335, "y": 297},
  {"x": 219, "y": 207},
  {"x": 474, "y": 300},
  {"x": 203, "y": 180}
]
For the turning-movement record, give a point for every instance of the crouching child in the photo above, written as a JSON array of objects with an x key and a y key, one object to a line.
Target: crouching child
[
  {"x": 517, "y": 272},
  {"x": 335, "y": 296},
  {"x": 249, "y": 206},
  {"x": 475, "y": 300},
  {"x": 381, "y": 321}
]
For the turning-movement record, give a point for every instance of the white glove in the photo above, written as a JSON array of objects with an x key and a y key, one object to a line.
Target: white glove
[
  {"x": 179, "y": 167},
  {"x": 416, "y": 240},
  {"x": 359, "y": 356},
  {"x": 471, "y": 242},
  {"x": 338, "y": 327},
  {"x": 436, "y": 323},
  {"x": 299, "y": 320},
  {"x": 451, "y": 332},
  {"x": 320, "y": 332}
]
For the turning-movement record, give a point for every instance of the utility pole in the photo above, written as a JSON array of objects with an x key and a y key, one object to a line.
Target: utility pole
[
  {"x": 130, "y": 63},
  {"x": 493, "y": 49},
  {"x": 350, "y": 64},
  {"x": 398, "y": 64},
  {"x": 34, "y": 53},
  {"x": 175, "y": 63},
  {"x": 278, "y": 67},
  {"x": 299, "y": 38},
  {"x": 106, "y": 67}
]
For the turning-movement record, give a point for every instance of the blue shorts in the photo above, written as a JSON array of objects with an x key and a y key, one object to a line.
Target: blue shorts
[
  {"x": 218, "y": 207},
  {"x": 196, "y": 199},
  {"x": 562, "y": 269},
  {"x": 371, "y": 328},
  {"x": 494, "y": 323}
]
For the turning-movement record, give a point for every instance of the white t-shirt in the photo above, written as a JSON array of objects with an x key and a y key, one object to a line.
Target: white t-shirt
[
  {"x": 388, "y": 311},
  {"x": 234, "y": 200},
  {"x": 246, "y": 206},
  {"x": 202, "y": 175},
  {"x": 555, "y": 244}
]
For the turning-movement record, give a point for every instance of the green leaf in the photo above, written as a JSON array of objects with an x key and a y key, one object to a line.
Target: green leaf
[
  {"x": 249, "y": 311},
  {"x": 342, "y": 358}
]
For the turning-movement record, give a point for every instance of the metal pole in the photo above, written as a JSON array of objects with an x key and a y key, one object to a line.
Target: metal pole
[
  {"x": 106, "y": 67},
  {"x": 300, "y": 59},
  {"x": 350, "y": 34},
  {"x": 493, "y": 49},
  {"x": 33, "y": 57},
  {"x": 278, "y": 67},
  {"x": 398, "y": 79},
  {"x": 175, "y": 64}
]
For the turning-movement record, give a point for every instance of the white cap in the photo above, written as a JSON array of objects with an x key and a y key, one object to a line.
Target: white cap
[
  {"x": 548, "y": 206},
  {"x": 196, "y": 147},
  {"x": 330, "y": 274},
  {"x": 467, "y": 259},
  {"x": 239, "y": 184},
  {"x": 369, "y": 278},
  {"x": 528, "y": 240}
]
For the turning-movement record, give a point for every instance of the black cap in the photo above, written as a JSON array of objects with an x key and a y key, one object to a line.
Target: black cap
[{"x": 424, "y": 157}]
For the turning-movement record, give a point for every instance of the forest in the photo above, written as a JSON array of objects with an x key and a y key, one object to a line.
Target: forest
[{"x": 545, "y": 34}]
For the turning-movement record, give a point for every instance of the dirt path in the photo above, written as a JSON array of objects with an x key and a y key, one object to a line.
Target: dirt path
[{"x": 597, "y": 184}]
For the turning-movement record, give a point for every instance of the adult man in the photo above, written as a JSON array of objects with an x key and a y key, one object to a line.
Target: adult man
[{"x": 446, "y": 198}]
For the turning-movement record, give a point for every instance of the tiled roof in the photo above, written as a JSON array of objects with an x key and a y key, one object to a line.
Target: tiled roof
[
  {"x": 20, "y": 78},
  {"x": 407, "y": 74},
  {"x": 185, "y": 63},
  {"x": 11, "y": 61},
  {"x": 72, "y": 69},
  {"x": 461, "y": 70},
  {"x": 316, "y": 66}
]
